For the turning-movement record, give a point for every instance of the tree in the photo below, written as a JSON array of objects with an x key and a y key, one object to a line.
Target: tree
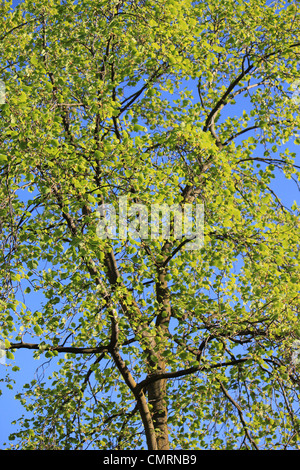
[{"x": 153, "y": 345}]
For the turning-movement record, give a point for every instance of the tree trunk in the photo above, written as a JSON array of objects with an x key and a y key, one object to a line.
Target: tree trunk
[
  {"x": 159, "y": 412},
  {"x": 157, "y": 389}
]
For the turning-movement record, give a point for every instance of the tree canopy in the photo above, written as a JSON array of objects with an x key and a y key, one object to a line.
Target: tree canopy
[{"x": 167, "y": 102}]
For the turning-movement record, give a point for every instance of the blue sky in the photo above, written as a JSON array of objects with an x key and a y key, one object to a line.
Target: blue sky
[{"x": 10, "y": 408}]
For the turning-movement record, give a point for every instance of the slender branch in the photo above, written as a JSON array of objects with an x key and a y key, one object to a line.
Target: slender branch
[
  {"x": 60, "y": 349},
  {"x": 240, "y": 133},
  {"x": 131, "y": 99},
  {"x": 222, "y": 100},
  {"x": 240, "y": 412},
  {"x": 184, "y": 242},
  {"x": 14, "y": 28},
  {"x": 191, "y": 370}
]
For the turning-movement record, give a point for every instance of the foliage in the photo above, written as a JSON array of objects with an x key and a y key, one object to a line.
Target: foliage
[{"x": 165, "y": 102}]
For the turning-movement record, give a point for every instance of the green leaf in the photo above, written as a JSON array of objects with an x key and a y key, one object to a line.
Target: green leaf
[
  {"x": 38, "y": 330},
  {"x": 9, "y": 355}
]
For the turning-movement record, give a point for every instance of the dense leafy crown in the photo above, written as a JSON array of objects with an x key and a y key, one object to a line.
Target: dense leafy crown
[{"x": 164, "y": 102}]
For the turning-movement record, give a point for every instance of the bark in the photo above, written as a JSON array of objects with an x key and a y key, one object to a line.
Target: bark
[
  {"x": 157, "y": 389},
  {"x": 156, "y": 398},
  {"x": 140, "y": 399}
]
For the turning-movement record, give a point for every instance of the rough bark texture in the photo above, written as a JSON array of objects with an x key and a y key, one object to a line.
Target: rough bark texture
[
  {"x": 157, "y": 389},
  {"x": 156, "y": 397}
]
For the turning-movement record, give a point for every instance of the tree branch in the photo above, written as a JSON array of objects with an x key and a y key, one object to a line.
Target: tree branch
[
  {"x": 240, "y": 412},
  {"x": 60, "y": 349},
  {"x": 191, "y": 370},
  {"x": 222, "y": 100}
]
